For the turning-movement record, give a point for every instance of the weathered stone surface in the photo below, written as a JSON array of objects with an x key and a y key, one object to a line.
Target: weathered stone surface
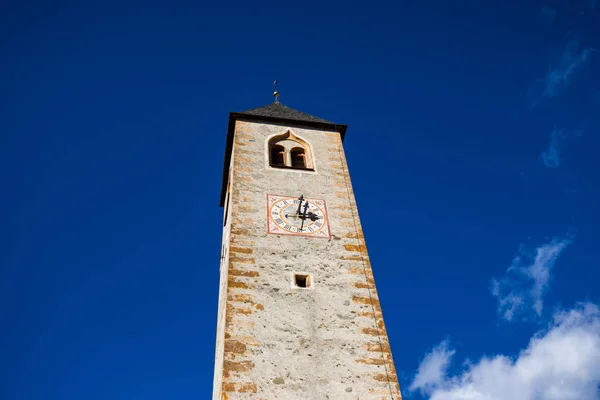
[{"x": 275, "y": 341}]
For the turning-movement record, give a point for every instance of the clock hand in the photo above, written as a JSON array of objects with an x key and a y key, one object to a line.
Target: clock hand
[
  {"x": 303, "y": 216},
  {"x": 312, "y": 216},
  {"x": 300, "y": 204}
]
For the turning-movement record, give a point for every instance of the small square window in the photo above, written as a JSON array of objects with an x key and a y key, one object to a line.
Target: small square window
[{"x": 302, "y": 281}]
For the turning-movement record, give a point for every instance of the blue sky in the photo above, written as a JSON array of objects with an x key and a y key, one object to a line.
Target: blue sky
[{"x": 472, "y": 144}]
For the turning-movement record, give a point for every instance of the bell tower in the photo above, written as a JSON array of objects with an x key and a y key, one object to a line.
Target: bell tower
[{"x": 299, "y": 316}]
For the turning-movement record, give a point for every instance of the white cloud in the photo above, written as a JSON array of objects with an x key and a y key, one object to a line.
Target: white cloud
[
  {"x": 525, "y": 285},
  {"x": 551, "y": 157},
  {"x": 560, "y": 363},
  {"x": 432, "y": 371},
  {"x": 560, "y": 73},
  {"x": 508, "y": 303}
]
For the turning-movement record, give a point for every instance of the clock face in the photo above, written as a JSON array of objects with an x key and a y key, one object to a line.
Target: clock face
[{"x": 292, "y": 216}]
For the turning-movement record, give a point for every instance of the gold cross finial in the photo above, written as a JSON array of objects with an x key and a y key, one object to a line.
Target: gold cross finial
[{"x": 275, "y": 92}]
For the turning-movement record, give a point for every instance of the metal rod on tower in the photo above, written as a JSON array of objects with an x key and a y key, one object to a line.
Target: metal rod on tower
[{"x": 275, "y": 92}]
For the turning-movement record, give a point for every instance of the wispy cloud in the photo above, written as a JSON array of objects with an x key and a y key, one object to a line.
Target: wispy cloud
[
  {"x": 560, "y": 72},
  {"x": 527, "y": 279},
  {"x": 559, "y": 76},
  {"x": 560, "y": 363},
  {"x": 432, "y": 370},
  {"x": 551, "y": 157},
  {"x": 548, "y": 14}
]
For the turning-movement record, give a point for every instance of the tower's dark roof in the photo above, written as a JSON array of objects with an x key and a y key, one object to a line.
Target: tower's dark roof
[
  {"x": 275, "y": 113},
  {"x": 278, "y": 110}
]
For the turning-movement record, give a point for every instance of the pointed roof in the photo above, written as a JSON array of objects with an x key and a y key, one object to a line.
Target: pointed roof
[
  {"x": 275, "y": 113},
  {"x": 278, "y": 110}
]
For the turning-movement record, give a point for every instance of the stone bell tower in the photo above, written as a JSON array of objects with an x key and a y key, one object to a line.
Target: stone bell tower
[{"x": 299, "y": 316}]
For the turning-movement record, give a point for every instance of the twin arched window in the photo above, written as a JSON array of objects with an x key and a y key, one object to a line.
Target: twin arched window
[
  {"x": 278, "y": 155},
  {"x": 289, "y": 151},
  {"x": 298, "y": 157}
]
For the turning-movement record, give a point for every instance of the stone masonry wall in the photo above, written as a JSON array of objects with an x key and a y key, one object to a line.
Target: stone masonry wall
[
  {"x": 281, "y": 342},
  {"x": 223, "y": 273}
]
